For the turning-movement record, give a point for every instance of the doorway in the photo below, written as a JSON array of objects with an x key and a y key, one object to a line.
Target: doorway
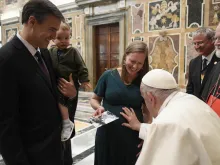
[{"x": 106, "y": 47}]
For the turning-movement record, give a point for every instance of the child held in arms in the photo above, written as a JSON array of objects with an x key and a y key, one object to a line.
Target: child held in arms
[{"x": 68, "y": 62}]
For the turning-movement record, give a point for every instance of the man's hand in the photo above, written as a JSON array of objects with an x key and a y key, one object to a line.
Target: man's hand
[
  {"x": 130, "y": 116},
  {"x": 67, "y": 88}
]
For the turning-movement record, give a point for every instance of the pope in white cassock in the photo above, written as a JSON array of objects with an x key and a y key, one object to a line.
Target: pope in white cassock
[{"x": 185, "y": 130}]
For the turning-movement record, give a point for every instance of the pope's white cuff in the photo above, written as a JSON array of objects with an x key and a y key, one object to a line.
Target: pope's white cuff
[{"x": 143, "y": 131}]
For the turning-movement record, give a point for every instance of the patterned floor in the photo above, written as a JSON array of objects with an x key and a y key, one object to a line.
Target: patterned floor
[{"x": 83, "y": 142}]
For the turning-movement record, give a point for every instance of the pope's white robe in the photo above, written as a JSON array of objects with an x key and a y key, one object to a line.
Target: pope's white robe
[{"x": 186, "y": 132}]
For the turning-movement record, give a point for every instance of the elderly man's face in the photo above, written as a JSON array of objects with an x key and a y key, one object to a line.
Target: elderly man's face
[
  {"x": 150, "y": 102},
  {"x": 217, "y": 41},
  {"x": 203, "y": 45}
]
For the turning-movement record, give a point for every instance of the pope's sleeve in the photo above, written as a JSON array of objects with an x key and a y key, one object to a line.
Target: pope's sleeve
[
  {"x": 143, "y": 131},
  {"x": 171, "y": 144}
]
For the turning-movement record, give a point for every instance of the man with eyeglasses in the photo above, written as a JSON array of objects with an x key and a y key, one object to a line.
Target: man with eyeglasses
[
  {"x": 201, "y": 66},
  {"x": 211, "y": 92}
]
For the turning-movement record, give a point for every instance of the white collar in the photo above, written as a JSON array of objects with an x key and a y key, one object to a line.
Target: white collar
[
  {"x": 209, "y": 57},
  {"x": 167, "y": 100},
  {"x": 31, "y": 49}
]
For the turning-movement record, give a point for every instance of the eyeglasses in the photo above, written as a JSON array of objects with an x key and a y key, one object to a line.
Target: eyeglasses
[
  {"x": 216, "y": 39},
  {"x": 200, "y": 43}
]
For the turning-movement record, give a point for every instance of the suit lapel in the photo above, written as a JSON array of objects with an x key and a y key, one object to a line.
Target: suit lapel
[
  {"x": 212, "y": 63},
  {"x": 30, "y": 60},
  {"x": 46, "y": 58},
  {"x": 198, "y": 72}
]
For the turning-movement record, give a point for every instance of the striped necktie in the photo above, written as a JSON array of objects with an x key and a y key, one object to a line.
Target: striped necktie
[{"x": 204, "y": 64}]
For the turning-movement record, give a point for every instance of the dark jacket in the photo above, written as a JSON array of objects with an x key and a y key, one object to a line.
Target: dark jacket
[
  {"x": 194, "y": 85},
  {"x": 30, "y": 120},
  {"x": 70, "y": 61},
  {"x": 211, "y": 82}
]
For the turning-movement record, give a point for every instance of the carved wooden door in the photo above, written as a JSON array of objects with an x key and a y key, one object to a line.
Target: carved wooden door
[{"x": 107, "y": 47}]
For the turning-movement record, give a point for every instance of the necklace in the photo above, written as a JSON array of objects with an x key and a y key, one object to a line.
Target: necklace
[
  {"x": 214, "y": 98},
  {"x": 127, "y": 83}
]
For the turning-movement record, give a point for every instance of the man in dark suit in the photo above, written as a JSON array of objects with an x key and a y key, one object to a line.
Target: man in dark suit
[
  {"x": 201, "y": 66},
  {"x": 211, "y": 92},
  {"x": 30, "y": 120}
]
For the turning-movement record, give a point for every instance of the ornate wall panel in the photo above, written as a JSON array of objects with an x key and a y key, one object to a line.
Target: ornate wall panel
[
  {"x": 9, "y": 31},
  {"x": 164, "y": 14},
  {"x": 190, "y": 53},
  {"x": 194, "y": 13},
  {"x": 69, "y": 21},
  {"x": 214, "y": 12},
  {"x": 137, "y": 14},
  {"x": 164, "y": 53},
  {"x": 143, "y": 20},
  {"x": 1, "y": 6},
  {"x": 78, "y": 45},
  {"x": 76, "y": 22},
  {"x": 137, "y": 39},
  {"x": 78, "y": 26}
]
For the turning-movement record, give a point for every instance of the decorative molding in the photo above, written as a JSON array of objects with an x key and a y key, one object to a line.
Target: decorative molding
[
  {"x": 137, "y": 15},
  {"x": 121, "y": 4},
  {"x": 90, "y": 23},
  {"x": 68, "y": 6},
  {"x": 195, "y": 8},
  {"x": 164, "y": 53},
  {"x": 10, "y": 20},
  {"x": 137, "y": 38},
  {"x": 164, "y": 15},
  {"x": 215, "y": 1},
  {"x": 106, "y": 18},
  {"x": 88, "y": 11},
  {"x": 78, "y": 26},
  {"x": 86, "y": 3}
]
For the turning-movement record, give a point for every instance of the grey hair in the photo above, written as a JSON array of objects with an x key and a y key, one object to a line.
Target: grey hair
[
  {"x": 207, "y": 31},
  {"x": 160, "y": 94}
]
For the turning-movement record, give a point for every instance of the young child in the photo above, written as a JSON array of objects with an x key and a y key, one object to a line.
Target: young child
[{"x": 66, "y": 61}]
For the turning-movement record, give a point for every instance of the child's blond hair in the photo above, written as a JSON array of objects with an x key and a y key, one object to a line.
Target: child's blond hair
[{"x": 64, "y": 26}]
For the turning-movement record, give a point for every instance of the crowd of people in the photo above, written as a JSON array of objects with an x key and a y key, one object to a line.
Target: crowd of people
[{"x": 158, "y": 124}]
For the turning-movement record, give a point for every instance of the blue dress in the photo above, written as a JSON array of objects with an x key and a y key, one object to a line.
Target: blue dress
[{"x": 116, "y": 144}]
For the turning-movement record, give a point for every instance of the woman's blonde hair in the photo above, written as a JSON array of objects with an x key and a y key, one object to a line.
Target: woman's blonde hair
[{"x": 136, "y": 46}]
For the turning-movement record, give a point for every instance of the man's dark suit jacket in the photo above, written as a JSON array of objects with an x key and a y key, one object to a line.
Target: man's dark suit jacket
[
  {"x": 194, "y": 85},
  {"x": 211, "y": 82},
  {"x": 30, "y": 120}
]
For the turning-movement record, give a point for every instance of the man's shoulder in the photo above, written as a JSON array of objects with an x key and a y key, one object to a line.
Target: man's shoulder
[
  {"x": 44, "y": 50},
  {"x": 7, "y": 51},
  {"x": 196, "y": 59}
]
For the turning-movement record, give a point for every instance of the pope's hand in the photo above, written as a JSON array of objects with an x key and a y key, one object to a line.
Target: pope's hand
[{"x": 130, "y": 116}]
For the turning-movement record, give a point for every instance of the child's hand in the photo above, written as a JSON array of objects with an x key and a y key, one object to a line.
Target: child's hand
[{"x": 86, "y": 85}]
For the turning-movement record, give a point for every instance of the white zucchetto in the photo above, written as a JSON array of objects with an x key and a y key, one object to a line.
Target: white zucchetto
[{"x": 160, "y": 79}]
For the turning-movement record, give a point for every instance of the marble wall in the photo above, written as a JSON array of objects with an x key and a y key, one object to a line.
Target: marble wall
[{"x": 168, "y": 27}]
